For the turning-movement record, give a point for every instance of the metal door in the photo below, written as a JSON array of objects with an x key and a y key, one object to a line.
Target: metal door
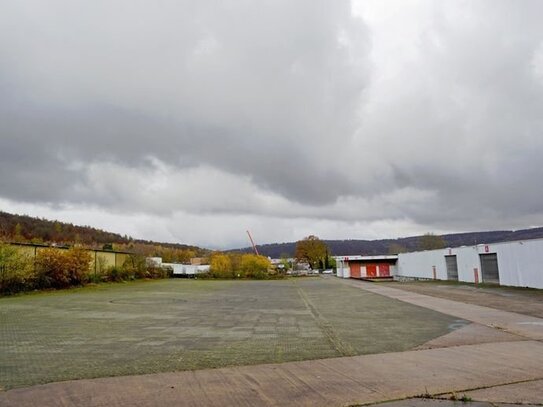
[
  {"x": 452, "y": 267},
  {"x": 355, "y": 270},
  {"x": 384, "y": 270},
  {"x": 489, "y": 268},
  {"x": 371, "y": 270}
]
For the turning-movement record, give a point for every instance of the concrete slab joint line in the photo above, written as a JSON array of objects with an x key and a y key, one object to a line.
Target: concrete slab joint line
[
  {"x": 344, "y": 349},
  {"x": 524, "y": 392},
  {"x": 518, "y": 324},
  {"x": 433, "y": 402}
]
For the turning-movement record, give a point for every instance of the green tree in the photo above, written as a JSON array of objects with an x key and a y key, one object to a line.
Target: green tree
[
  {"x": 135, "y": 266},
  {"x": 286, "y": 264},
  {"x": 429, "y": 241},
  {"x": 235, "y": 258},
  {"x": 254, "y": 266},
  {"x": 18, "y": 233},
  {"x": 58, "y": 268},
  {"x": 16, "y": 270},
  {"x": 327, "y": 263},
  {"x": 313, "y": 251},
  {"x": 58, "y": 232},
  {"x": 221, "y": 266}
]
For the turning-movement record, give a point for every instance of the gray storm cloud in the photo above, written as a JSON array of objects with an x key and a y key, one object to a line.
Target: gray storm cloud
[
  {"x": 266, "y": 89},
  {"x": 421, "y": 112}
]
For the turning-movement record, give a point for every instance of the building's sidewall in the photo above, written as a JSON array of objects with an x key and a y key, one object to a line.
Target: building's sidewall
[{"x": 520, "y": 263}]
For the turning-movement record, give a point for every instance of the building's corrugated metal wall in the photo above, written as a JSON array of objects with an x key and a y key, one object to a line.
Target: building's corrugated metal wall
[
  {"x": 519, "y": 263},
  {"x": 428, "y": 264},
  {"x": 120, "y": 259},
  {"x": 104, "y": 260},
  {"x": 342, "y": 268},
  {"x": 345, "y": 272},
  {"x": 467, "y": 260}
]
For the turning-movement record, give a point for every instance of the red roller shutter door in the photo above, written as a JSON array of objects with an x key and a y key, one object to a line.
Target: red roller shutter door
[
  {"x": 355, "y": 270},
  {"x": 371, "y": 270},
  {"x": 384, "y": 270}
]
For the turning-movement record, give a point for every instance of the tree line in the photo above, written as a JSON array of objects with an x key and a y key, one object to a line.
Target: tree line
[
  {"x": 392, "y": 246},
  {"x": 26, "y": 229},
  {"x": 245, "y": 266},
  {"x": 22, "y": 228}
]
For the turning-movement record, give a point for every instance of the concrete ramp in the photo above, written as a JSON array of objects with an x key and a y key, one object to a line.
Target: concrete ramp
[{"x": 471, "y": 334}]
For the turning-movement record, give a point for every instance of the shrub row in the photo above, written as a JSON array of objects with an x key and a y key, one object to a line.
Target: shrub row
[
  {"x": 55, "y": 268},
  {"x": 129, "y": 271},
  {"x": 247, "y": 266}
]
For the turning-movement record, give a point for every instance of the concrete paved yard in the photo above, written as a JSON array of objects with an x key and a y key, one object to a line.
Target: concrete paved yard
[
  {"x": 172, "y": 325},
  {"x": 527, "y": 301},
  {"x": 495, "y": 360}
]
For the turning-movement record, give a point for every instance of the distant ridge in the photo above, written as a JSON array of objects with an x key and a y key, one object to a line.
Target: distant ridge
[
  {"x": 383, "y": 246},
  {"x": 51, "y": 231}
]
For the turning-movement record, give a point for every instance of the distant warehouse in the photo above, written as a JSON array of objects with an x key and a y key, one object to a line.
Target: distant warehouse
[
  {"x": 517, "y": 263},
  {"x": 179, "y": 269},
  {"x": 366, "y": 267}
]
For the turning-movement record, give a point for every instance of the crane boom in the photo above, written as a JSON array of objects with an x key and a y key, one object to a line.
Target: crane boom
[{"x": 253, "y": 243}]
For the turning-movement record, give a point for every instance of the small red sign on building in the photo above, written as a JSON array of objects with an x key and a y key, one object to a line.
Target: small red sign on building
[{"x": 487, "y": 249}]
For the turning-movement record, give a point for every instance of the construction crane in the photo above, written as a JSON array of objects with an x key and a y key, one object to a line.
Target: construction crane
[{"x": 252, "y": 242}]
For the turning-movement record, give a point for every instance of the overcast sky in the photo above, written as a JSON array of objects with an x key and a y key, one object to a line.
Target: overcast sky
[{"x": 192, "y": 121}]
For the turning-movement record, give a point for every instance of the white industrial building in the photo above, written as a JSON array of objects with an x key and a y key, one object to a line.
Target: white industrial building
[
  {"x": 186, "y": 270},
  {"x": 518, "y": 263},
  {"x": 178, "y": 269}
]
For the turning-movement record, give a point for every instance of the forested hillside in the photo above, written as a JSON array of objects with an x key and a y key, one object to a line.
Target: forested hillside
[
  {"x": 22, "y": 228},
  {"x": 26, "y": 228}
]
